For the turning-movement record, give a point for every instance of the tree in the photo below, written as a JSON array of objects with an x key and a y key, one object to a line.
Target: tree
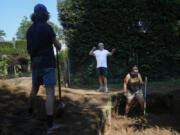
[
  {"x": 25, "y": 24},
  {"x": 57, "y": 30},
  {"x": 144, "y": 32},
  {"x": 2, "y": 33}
]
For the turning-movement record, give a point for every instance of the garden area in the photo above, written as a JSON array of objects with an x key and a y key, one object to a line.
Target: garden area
[{"x": 145, "y": 33}]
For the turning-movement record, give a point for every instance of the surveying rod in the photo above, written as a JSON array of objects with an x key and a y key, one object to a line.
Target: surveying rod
[{"x": 145, "y": 92}]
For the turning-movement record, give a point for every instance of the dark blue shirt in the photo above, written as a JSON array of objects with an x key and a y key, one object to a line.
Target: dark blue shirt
[{"x": 40, "y": 45}]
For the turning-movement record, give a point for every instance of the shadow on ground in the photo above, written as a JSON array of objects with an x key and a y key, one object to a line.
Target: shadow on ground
[{"x": 77, "y": 119}]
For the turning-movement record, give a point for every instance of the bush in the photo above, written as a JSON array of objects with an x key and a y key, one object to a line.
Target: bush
[
  {"x": 144, "y": 33},
  {"x": 21, "y": 44},
  {"x": 63, "y": 56},
  {"x": 3, "y": 67},
  {"x": 6, "y": 44},
  {"x": 12, "y": 51}
]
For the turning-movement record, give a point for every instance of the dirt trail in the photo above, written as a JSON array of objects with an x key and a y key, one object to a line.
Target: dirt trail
[{"x": 80, "y": 117}]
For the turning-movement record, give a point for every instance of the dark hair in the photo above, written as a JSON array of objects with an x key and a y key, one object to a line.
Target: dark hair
[
  {"x": 40, "y": 17},
  {"x": 134, "y": 67}
]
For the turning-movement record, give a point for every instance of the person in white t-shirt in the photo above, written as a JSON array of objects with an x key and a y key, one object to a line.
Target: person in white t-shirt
[{"x": 101, "y": 58}]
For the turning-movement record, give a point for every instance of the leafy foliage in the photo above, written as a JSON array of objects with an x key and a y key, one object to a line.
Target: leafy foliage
[
  {"x": 3, "y": 66},
  {"x": 6, "y": 48},
  {"x": 144, "y": 32},
  {"x": 63, "y": 56},
  {"x": 6, "y": 44},
  {"x": 57, "y": 30},
  {"x": 25, "y": 24},
  {"x": 2, "y": 33},
  {"x": 21, "y": 44},
  {"x": 12, "y": 51}
]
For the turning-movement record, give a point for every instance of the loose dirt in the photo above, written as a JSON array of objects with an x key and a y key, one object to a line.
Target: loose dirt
[{"x": 81, "y": 115}]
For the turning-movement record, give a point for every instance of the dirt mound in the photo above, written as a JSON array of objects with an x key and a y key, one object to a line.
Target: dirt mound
[
  {"x": 82, "y": 111},
  {"x": 163, "y": 115},
  {"x": 142, "y": 126},
  {"x": 80, "y": 117}
]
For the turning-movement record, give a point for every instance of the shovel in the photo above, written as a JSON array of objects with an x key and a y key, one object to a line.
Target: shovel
[{"x": 60, "y": 105}]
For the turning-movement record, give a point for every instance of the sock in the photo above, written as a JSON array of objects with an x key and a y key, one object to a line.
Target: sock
[{"x": 50, "y": 121}]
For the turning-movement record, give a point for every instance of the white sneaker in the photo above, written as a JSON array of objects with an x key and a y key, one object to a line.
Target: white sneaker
[
  {"x": 105, "y": 89},
  {"x": 54, "y": 127},
  {"x": 100, "y": 89}
]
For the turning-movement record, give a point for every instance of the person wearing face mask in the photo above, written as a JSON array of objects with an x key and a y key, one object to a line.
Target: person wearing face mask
[
  {"x": 132, "y": 88},
  {"x": 101, "y": 58}
]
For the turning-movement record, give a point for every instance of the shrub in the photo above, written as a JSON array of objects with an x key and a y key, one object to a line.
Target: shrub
[
  {"x": 12, "y": 51},
  {"x": 6, "y": 44},
  {"x": 21, "y": 44}
]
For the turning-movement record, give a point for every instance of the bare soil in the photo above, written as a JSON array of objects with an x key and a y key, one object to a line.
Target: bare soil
[
  {"x": 83, "y": 106},
  {"x": 80, "y": 116},
  {"x": 162, "y": 115}
]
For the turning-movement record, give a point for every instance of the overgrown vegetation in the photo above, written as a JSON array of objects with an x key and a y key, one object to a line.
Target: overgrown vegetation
[
  {"x": 13, "y": 59},
  {"x": 14, "y": 56},
  {"x": 6, "y": 44},
  {"x": 144, "y": 32},
  {"x": 26, "y": 23}
]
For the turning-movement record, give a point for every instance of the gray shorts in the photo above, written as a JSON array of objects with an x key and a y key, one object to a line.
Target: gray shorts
[{"x": 137, "y": 93}]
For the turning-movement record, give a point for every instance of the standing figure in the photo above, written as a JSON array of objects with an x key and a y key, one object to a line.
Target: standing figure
[
  {"x": 40, "y": 39},
  {"x": 101, "y": 58},
  {"x": 132, "y": 88}
]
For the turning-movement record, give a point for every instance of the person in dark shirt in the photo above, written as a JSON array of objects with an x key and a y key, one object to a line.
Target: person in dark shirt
[
  {"x": 132, "y": 88},
  {"x": 40, "y": 39}
]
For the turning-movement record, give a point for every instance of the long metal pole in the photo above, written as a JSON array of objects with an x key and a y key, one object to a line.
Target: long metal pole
[{"x": 145, "y": 92}]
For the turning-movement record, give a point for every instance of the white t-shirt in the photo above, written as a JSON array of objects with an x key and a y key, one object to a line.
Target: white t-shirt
[{"x": 101, "y": 57}]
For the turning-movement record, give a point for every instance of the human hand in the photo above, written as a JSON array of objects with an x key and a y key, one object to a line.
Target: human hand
[
  {"x": 57, "y": 37},
  {"x": 57, "y": 43},
  {"x": 113, "y": 50},
  {"x": 94, "y": 48}
]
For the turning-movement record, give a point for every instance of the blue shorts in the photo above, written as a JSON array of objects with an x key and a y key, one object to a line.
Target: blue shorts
[
  {"x": 102, "y": 71},
  {"x": 46, "y": 76}
]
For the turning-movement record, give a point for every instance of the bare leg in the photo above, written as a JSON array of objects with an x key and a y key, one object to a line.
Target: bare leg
[
  {"x": 105, "y": 81},
  {"x": 50, "y": 105},
  {"x": 50, "y": 100},
  {"x": 100, "y": 81},
  {"x": 128, "y": 106},
  {"x": 141, "y": 101},
  {"x": 32, "y": 97}
]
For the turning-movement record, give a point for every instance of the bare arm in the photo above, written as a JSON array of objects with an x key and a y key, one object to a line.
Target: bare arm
[
  {"x": 91, "y": 52},
  {"x": 56, "y": 43},
  {"x": 112, "y": 52},
  {"x": 125, "y": 83}
]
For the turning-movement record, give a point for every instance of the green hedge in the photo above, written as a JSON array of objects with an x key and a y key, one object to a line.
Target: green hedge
[
  {"x": 12, "y": 51},
  {"x": 6, "y": 44},
  {"x": 21, "y": 44},
  {"x": 144, "y": 32}
]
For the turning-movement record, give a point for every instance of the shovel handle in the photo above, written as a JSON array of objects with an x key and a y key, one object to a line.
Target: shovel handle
[
  {"x": 145, "y": 92},
  {"x": 59, "y": 73}
]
